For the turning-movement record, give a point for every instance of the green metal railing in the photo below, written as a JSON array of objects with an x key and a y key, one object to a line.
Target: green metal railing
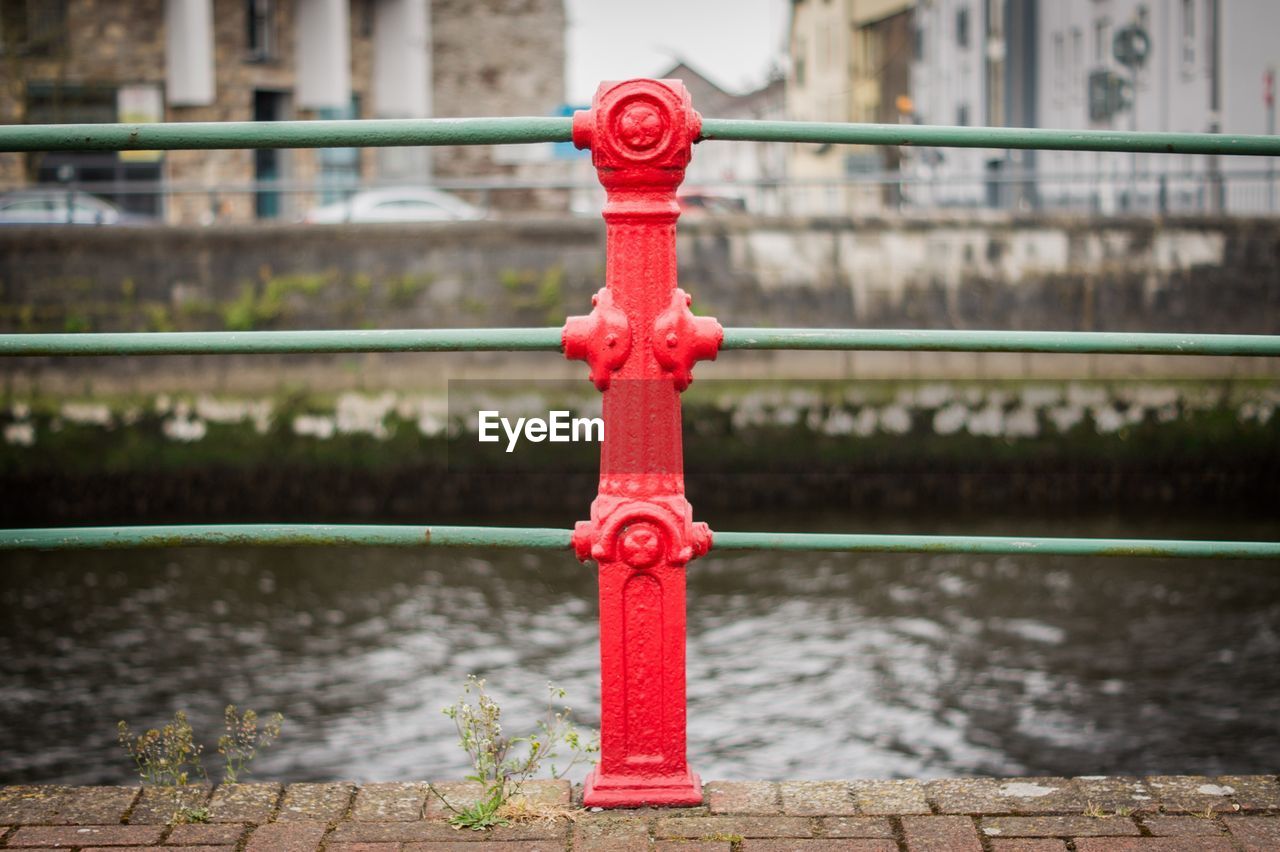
[
  {"x": 493, "y": 131},
  {"x": 506, "y": 131},
  {"x": 538, "y": 538},
  {"x": 548, "y": 340}
]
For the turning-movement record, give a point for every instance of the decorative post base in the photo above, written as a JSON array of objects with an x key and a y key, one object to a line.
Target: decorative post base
[{"x": 604, "y": 791}]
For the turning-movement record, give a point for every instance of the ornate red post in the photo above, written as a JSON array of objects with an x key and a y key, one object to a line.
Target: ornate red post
[{"x": 641, "y": 341}]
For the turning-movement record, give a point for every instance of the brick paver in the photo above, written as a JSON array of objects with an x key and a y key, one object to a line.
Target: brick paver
[
  {"x": 1255, "y": 833},
  {"x": 482, "y": 845},
  {"x": 158, "y": 805},
  {"x": 1192, "y": 793},
  {"x": 288, "y": 836},
  {"x": 819, "y": 846},
  {"x": 324, "y": 802},
  {"x": 1059, "y": 826},
  {"x": 1253, "y": 792},
  {"x": 743, "y": 797},
  {"x": 30, "y": 804},
  {"x": 85, "y": 835},
  {"x": 610, "y": 834},
  {"x": 95, "y": 805},
  {"x": 695, "y": 828},
  {"x": 1005, "y": 796},
  {"x": 1181, "y": 826},
  {"x": 1154, "y": 844},
  {"x": 854, "y": 827},
  {"x": 438, "y": 831},
  {"x": 1085, "y": 814},
  {"x": 813, "y": 798},
  {"x": 889, "y": 798},
  {"x": 206, "y": 834},
  {"x": 244, "y": 802},
  {"x": 1115, "y": 793},
  {"x": 390, "y": 801},
  {"x": 940, "y": 834}
]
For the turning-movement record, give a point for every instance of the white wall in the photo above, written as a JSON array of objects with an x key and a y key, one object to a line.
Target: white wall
[
  {"x": 947, "y": 77},
  {"x": 1172, "y": 94},
  {"x": 323, "y": 31},
  {"x": 189, "y": 79}
]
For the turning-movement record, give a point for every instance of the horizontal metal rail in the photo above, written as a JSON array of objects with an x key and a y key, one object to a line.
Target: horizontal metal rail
[
  {"x": 284, "y": 342},
  {"x": 548, "y": 340},
  {"x": 505, "y": 131},
  {"x": 988, "y": 137},
  {"x": 930, "y": 340},
  {"x": 287, "y": 535},
  {"x": 361, "y": 133},
  {"x": 996, "y": 545},
  {"x": 79, "y": 538}
]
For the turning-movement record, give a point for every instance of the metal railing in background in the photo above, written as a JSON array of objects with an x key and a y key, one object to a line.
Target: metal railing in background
[
  {"x": 910, "y": 192},
  {"x": 528, "y": 130}
]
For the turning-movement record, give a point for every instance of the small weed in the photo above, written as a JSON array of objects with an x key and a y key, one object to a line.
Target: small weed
[
  {"x": 403, "y": 290},
  {"x": 166, "y": 757},
  {"x": 502, "y": 765},
  {"x": 240, "y": 744},
  {"x": 185, "y": 815},
  {"x": 156, "y": 315},
  {"x": 76, "y": 324},
  {"x": 169, "y": 757}
]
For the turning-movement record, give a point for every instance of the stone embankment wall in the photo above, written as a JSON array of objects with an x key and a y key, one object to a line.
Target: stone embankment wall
[{"x": 1142, "y": 275}]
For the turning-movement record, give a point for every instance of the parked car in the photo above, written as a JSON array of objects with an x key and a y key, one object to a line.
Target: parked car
[
  {"x": 699, "y": 203},
  {"x": 62, "y": 207},
  {"x": 405, "y": 204}
]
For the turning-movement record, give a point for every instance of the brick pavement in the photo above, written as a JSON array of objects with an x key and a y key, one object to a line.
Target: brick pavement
[{"x": 1156, "y": 814}]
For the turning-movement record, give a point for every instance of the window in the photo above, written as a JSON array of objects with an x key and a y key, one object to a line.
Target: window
[
  {"x": 1188, "y": 27},
  {"x": 1059, "y": 63},
  {"x": 260, "y": 33},
  {"x": 1077, "y": 63},
  {"x": 962, "y": 27},
  {"x": 962, "y": 115},
  {"x": 1101, "y": 40},
  {"x": 917, "y": 44},
  {"x": 339, "y": 167},
  {"x": 33, "y": 27}
]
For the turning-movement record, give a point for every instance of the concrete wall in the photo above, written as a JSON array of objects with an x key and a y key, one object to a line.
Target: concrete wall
[{"x": 1198, "y": 276}]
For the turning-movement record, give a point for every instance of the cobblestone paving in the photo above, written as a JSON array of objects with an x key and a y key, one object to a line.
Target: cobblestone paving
[{"x": 1157, "y": 814}]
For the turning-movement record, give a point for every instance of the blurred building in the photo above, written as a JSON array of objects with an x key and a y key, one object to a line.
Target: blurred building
[
  {"x": 849, "y": 62},
  {"x": 1181, "y": 65},
  {"x": 1204, "y": 69},
  {"x": 139, "y": 61},
  {"x": 972, "y": 65},
  {"x": 746, "y": 172}
]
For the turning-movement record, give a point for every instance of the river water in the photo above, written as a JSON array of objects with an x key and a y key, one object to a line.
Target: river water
[{"x": 800, "y": 666}]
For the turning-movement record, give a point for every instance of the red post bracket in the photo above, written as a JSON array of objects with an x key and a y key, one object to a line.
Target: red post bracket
[{"x": 641, "y": 341}]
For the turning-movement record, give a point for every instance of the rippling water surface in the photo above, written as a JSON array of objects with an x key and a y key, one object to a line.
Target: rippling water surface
[{"x": 800, "y": 666}]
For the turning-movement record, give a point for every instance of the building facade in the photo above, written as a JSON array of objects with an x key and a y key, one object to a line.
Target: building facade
[
  {"x": 138, "y": 61},
  {"x": 849, "y": 61},
  {"x": 751, "y": 173},
  {"x": 1204, "y": 70},
  {"x": 1189, "y": 66}
]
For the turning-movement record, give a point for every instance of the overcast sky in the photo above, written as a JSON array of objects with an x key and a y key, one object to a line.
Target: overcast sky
[{"x": 732, "y": 42}]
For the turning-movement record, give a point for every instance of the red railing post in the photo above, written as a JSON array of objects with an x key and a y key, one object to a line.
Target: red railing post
[{"x": 641, "y": 341}]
